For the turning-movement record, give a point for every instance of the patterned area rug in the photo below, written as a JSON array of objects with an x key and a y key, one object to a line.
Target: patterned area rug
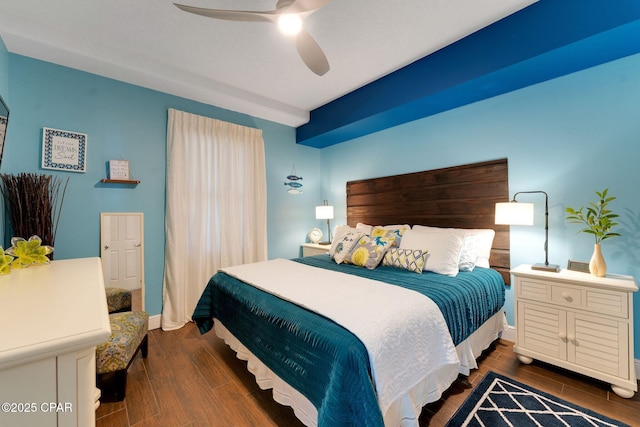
[{"x": 500, "y": 401}]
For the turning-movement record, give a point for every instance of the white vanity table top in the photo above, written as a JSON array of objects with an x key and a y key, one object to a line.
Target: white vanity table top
[{"x": 52, "y": 309}]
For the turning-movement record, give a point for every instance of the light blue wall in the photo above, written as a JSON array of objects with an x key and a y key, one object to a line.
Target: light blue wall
[
  {"x": 569, "y": 137},
  {"x": 129, "y": 121}
]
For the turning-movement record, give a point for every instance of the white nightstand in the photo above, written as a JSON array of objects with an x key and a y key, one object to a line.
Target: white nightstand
[
  {"x": 310, "y": 249},
  {"x": 578, "y": 322}
]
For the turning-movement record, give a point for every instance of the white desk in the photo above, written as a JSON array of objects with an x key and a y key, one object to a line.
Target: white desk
[{"x": 51, "y": 319}]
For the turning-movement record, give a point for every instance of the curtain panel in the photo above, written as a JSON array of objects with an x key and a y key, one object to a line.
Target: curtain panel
[{"x": 216, "y": 207}]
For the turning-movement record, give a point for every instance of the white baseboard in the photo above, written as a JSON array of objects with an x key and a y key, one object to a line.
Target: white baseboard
[
  {"x": 509, "y": 334},
  {"x": 154, "y": 321}
]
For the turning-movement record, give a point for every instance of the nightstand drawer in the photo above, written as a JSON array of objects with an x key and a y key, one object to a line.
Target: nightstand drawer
[
  {"x": 607, "y": 302},
  {"x": 537, "y": 290},
  {"x": 614, "y": 303},
  {"x": 566, "y": 295},
  {"x": 534, "y": 290},
  {"x": 311, "y": 249}
]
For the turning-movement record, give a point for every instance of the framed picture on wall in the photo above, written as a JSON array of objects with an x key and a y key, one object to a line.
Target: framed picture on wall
[
  {"x": 64, "y": 150},
  {"x": 4, "y": 121}
]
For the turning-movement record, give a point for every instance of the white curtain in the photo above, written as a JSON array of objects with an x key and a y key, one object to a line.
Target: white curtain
[{"x": 216, "y": 207}]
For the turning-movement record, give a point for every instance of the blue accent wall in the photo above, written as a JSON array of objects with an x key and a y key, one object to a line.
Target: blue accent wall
[{"x": 546, "y": 40}]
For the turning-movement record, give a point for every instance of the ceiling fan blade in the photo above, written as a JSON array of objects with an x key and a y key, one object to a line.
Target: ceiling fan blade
[
  {"x": 284, "y": 3},
  {"x": 300, "y": 6},
  {"x": 230, "y": 15},
  {"x": 311, "y": 53}
]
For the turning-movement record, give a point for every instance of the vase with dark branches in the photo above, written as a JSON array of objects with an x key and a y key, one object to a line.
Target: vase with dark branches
[{"x": 34, "y": 203}]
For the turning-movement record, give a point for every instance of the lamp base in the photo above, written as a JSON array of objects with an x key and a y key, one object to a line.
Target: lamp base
[{"x": 546, "y": 267}]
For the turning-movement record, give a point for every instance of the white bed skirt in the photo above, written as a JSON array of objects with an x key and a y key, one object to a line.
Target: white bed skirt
[{"x": 468, "y": 351}]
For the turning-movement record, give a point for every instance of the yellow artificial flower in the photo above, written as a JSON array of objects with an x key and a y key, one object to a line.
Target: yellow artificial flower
[
  {"x": 28, "y": 252},
  {"x": 5, "y": 262}
]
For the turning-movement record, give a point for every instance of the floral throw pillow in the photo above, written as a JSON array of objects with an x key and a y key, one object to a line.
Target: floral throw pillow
[
  {"x": 369, "y": 251},
  {"x": 341, "y": 248},
  {"x": 394, "y": 233},
  {"x": 408, "y": 259}
]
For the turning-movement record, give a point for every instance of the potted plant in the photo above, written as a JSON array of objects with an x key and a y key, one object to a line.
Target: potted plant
[{"x": 598, "y": 221}]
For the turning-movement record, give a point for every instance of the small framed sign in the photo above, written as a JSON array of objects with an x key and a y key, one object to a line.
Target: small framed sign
[
  {"x": 64, "y": 150},
  {"x": 119, "y": 170},
  {"x": 578, "y": 266}
]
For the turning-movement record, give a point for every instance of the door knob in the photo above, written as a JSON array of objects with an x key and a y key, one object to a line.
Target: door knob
[{"x": 106, "y": 247}]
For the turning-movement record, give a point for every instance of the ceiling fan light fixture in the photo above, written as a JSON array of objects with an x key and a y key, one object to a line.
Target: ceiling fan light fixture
[
  {"x": 290, "y": 24},
  {"x": 289, "y": 15}
]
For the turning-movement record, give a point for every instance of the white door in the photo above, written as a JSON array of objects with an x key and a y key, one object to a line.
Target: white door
[{"x": 122, "y": 249}]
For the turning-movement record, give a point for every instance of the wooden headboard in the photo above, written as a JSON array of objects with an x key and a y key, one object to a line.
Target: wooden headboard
[{"x": 459, "y": 197}]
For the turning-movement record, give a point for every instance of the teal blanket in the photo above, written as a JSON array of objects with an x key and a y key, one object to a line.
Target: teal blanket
[
  {"x": 321, "y": 359},
  {"x": 466, "y": 301}
]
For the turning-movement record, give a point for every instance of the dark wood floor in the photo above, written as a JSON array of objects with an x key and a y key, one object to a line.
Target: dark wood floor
[{"x": 194, "y": 380}]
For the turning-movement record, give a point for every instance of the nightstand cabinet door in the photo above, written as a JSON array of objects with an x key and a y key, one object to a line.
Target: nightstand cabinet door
[
  {"x": 598, "y": 343},
  {"x": 540, "y": 329},
  {"x": 578, "y": 322}
]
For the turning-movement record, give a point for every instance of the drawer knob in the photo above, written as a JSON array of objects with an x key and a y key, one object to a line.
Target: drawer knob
[
  {"x": 562, "y": 336},
  {"x": 572, "y": 339},
  {"x": 567, "y": 296}
]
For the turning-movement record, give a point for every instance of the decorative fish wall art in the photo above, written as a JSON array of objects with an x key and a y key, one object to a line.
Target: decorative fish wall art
[{"x": 293, "y": 184}]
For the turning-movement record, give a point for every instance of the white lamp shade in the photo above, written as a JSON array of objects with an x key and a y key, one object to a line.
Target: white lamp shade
[
  {"x": 514, "y": 213},
  {"x": 324, "y": 212}
]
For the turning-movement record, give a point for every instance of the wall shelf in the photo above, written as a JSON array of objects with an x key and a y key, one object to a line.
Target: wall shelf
[{"x": 120, "y": 181}]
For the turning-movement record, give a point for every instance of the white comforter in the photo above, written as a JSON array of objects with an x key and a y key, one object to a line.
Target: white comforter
[{"x": 413, "y": 359}]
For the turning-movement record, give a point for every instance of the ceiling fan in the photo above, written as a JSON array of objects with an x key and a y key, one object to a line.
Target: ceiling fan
[{"x": 289, "y": 15}]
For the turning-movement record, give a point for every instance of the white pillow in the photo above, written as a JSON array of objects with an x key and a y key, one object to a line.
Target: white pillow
[
  {"x": 476, "y": 246},
  {"x": 366, "y": 229},
  {"x": 341, "y": 230},
  {"x": 444, "y": 248}
]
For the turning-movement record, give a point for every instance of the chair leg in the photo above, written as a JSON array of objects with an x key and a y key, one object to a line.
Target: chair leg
[
  {"x": 145, "y": 346},
  {"x": 120, "y": 387},
  {"x": 113, "y": 385}
]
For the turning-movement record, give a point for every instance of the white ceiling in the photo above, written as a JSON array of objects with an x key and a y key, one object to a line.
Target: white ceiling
[{"x": 246, "y": 67}]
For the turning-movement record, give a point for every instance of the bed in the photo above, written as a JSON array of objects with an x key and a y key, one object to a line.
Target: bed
[{"x": 347, "y": 345}]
